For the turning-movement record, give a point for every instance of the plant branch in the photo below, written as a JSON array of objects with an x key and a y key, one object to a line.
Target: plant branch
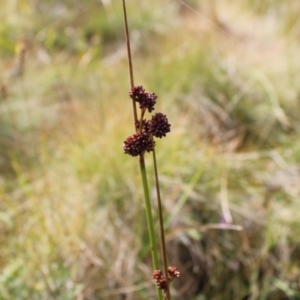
[
  {"x": 161, "y": 226},
  {"x": 130, "y": 68}
]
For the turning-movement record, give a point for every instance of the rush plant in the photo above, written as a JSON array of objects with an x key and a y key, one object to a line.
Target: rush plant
[{"x": 137, "y": 145}]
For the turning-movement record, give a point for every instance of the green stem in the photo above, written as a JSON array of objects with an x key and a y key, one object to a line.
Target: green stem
[
  {"x": 150, "y": 222},
  {"x": 161, "y": 226}
]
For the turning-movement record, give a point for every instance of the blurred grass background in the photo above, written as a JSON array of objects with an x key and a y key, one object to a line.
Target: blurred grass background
[{"x": 72, "y": 223}]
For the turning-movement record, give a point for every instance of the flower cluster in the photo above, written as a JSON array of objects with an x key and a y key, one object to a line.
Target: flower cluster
[
  {"x": 138, "y": 143},
  {"x": 145, "y": 99},
  {"x": 160, "y": 280},
  {"x": 158, "y": 126}
]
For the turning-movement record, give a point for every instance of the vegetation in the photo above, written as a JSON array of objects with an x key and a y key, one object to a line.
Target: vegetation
[{"x": 72, "y": 221}]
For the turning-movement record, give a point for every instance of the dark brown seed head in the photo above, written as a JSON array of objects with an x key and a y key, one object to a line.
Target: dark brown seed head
[
  {"x": 159, "y": 125},
  {"x": 158, "y": 276},
  {"x": 173, "y": 272},
  {"x": 137, "y": 93},
  {"x": 138, "y": 143},
  {"x": 146, "y": 100}
]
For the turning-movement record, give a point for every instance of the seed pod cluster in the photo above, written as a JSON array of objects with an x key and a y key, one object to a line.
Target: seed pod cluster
[{"x": 158, "y": 126}]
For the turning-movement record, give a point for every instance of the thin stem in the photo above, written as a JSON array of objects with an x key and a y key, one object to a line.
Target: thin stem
[
  {"x": 161, "y": 227},
  {"x": 130, "y": 68},
  {"x": 148, "y": 212},
  {"x": 149, "y": 219}
]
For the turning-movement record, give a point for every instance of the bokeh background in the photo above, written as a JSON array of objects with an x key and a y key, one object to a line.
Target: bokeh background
[{"x": 72, "y": 221}]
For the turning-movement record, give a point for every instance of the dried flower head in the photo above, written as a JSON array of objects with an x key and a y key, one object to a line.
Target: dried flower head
[
  {"x": 137, "y": 93},
  {"x": 138, "y": 143},
  {"x": 145, "y": 99},
  {"x": 158, "y": 276},
  {"x": 159, "y": 125},
  {"x": 173, "y": 272}
]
